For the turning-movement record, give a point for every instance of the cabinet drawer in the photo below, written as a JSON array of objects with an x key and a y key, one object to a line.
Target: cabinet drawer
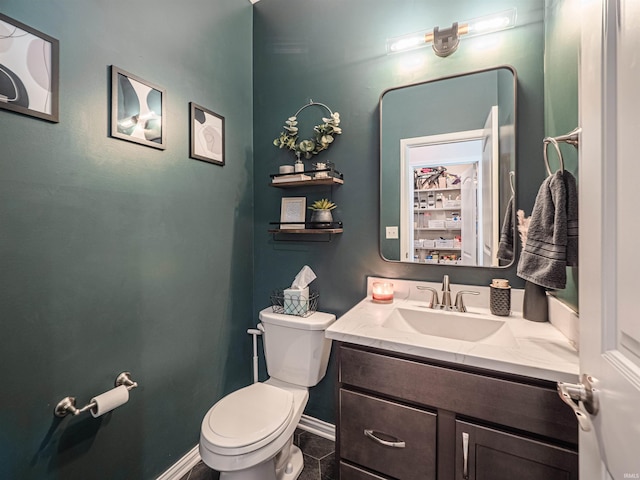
[
  {"x": 496, "y": 455},
  {"x": 389, "y": 422},
  {"x": 531, "y": 408},
  {"x": 349, "y": 472}
]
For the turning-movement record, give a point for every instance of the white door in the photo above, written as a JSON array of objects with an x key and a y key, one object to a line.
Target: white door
[
  {"x": 609, "y": 192},
  {"x": 468, "y": 212},
  {"x": 489, "y": 230}
]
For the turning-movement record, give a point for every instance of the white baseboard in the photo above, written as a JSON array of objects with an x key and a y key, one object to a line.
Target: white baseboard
[
  {"x": 182, "y": 466},
  {"x": 192, "y": 457}
]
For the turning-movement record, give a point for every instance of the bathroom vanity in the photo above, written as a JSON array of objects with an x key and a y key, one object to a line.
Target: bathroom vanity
[{"x": 417, "y": 406}]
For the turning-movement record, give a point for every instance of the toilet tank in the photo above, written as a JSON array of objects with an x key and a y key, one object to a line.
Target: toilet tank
[{"x": 295, "y": 348}]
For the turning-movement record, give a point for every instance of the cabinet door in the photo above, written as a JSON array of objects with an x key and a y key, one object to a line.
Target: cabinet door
[
  {"x": 349, "y": 472},
  {"x": 387, "y": 437},
  {"x": 495, "y": 455}
]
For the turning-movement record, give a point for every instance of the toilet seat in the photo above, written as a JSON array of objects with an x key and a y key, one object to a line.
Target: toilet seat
[{"x": 247, "y": 419}]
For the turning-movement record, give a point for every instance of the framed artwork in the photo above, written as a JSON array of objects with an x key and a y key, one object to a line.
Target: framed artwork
[
  {"x": 138, "y": 110},
  {"x": 293, "y": 209},
  {"x": 29, "y": 70},
  {"x": 207, "y": 135}
]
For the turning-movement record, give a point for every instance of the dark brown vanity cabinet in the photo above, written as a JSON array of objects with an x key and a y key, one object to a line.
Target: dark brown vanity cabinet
[
  {"x": 496, "y": 455},
  {"x": 405, "y": 418}
]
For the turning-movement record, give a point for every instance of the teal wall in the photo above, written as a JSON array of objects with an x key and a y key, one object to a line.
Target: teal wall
[
  {"x": 562, "y": 47},
  {"x": 334, "y": 52},
  {"x": 116, "y": 256},
  {"x": 121, "y": 257}
]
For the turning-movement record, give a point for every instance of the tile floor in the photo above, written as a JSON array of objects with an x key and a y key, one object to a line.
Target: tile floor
[{"x": 318, "y": 454}]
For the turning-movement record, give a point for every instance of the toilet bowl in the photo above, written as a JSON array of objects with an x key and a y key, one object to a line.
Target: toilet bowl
[
  {"x": 251, "y": 427},
  {"x": 248, "y": 435}
]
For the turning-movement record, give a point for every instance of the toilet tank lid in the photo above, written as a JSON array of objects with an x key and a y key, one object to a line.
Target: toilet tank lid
[{"x": 315, "y": 321}]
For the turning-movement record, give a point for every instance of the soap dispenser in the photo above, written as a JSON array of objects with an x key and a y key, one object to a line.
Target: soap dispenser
[{"x": 500, "y": 297}]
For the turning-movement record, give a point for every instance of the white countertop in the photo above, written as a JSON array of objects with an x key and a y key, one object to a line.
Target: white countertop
[{"x": 536, "y": 349}]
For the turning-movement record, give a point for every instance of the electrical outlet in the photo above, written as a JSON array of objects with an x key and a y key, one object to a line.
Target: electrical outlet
[{"x": 392, "y": 232}]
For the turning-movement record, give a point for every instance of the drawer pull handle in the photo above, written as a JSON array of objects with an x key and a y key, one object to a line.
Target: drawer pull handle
[
  {"x": 465, "y": 455},
  {"x": 373, "y": 435}
]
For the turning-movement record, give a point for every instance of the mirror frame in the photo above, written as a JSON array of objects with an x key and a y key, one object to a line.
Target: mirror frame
[{"x": 509, "y": 181}]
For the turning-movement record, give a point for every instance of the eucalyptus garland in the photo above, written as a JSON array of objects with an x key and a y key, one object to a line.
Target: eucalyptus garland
[{"x": 323, "y": 134}]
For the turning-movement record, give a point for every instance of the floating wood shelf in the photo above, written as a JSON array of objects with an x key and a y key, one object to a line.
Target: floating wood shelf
[
  {"x": 306, "y": 231},
  {"x": 308, "y": 183},
  {"x": 332, "y": 177}
]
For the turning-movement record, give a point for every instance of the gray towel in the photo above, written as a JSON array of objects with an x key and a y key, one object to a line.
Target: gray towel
[
  {"x": 544, "y": 259},
  {"x": 572, "y": 219},
  {"x": 505, "y": 247}
]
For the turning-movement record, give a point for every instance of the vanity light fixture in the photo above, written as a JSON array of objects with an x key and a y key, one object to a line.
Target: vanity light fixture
[{"x": 445, "y": 41}]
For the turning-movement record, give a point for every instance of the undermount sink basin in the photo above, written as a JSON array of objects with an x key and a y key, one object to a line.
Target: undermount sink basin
[{"x": 457, "y": 326}]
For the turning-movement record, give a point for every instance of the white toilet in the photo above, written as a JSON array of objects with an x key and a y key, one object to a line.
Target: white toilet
[{"x": 248, "y": 435}]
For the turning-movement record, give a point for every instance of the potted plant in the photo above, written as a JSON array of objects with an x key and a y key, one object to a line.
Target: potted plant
[{"x": 321, "y": 216}]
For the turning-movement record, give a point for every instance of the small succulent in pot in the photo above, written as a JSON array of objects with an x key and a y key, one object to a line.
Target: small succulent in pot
[
  {"x": 321, "y": 216},
  {"x": 323, "y": 204}
]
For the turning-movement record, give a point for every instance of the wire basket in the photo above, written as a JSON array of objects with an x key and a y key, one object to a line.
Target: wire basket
[{"x": 294, "y": 304}]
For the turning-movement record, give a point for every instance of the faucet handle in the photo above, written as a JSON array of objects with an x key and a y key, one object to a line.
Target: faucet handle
[
  {"x": 459, "y": 305},
  {"x": 434, "y": 296}
]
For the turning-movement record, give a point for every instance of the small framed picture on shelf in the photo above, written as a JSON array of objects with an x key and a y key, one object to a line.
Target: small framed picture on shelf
[
  {"x": 138, "y": 110},
  {"x": 293, "y": 209},
  {"x": 29, "y": 69}
]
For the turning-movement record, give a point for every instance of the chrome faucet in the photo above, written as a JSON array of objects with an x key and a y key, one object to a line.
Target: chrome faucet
[
  {"x": 459, "y": 305},
  {"x": 446, "y": 304},
  {"x": 446, "y": 292},
  {"x": 434, "y": 302}
]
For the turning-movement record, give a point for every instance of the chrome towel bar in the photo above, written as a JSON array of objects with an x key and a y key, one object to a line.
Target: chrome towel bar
[{"x": 572, "y": 138}]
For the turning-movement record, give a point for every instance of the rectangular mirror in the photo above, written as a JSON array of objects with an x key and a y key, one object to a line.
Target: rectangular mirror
[{"x": 447, "y": 164}]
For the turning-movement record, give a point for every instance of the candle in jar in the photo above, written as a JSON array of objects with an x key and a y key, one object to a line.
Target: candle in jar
[{"x": 382, "y": 292}]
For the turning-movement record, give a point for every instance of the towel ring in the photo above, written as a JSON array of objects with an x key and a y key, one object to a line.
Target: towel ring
[{"x": 553, "y": 141}]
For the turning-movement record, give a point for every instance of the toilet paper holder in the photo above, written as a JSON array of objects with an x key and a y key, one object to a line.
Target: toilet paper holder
[{"x": 68, "y": 404}]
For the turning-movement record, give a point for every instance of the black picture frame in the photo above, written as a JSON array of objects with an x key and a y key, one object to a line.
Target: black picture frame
[
  {"x": 207, "y": 135},
  {"x": 29, "y": 70},
  {"x": 138, "y": 110}
]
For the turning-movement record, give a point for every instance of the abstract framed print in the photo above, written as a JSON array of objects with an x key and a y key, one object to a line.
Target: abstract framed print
[
  {"x": 207, "y": 135},
  {"x": 29, "y": 70},
  {"x": 138, "y": 110}
]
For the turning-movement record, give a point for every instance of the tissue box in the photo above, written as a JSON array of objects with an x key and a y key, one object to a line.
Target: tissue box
[{"x": 296, "y": 301}]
